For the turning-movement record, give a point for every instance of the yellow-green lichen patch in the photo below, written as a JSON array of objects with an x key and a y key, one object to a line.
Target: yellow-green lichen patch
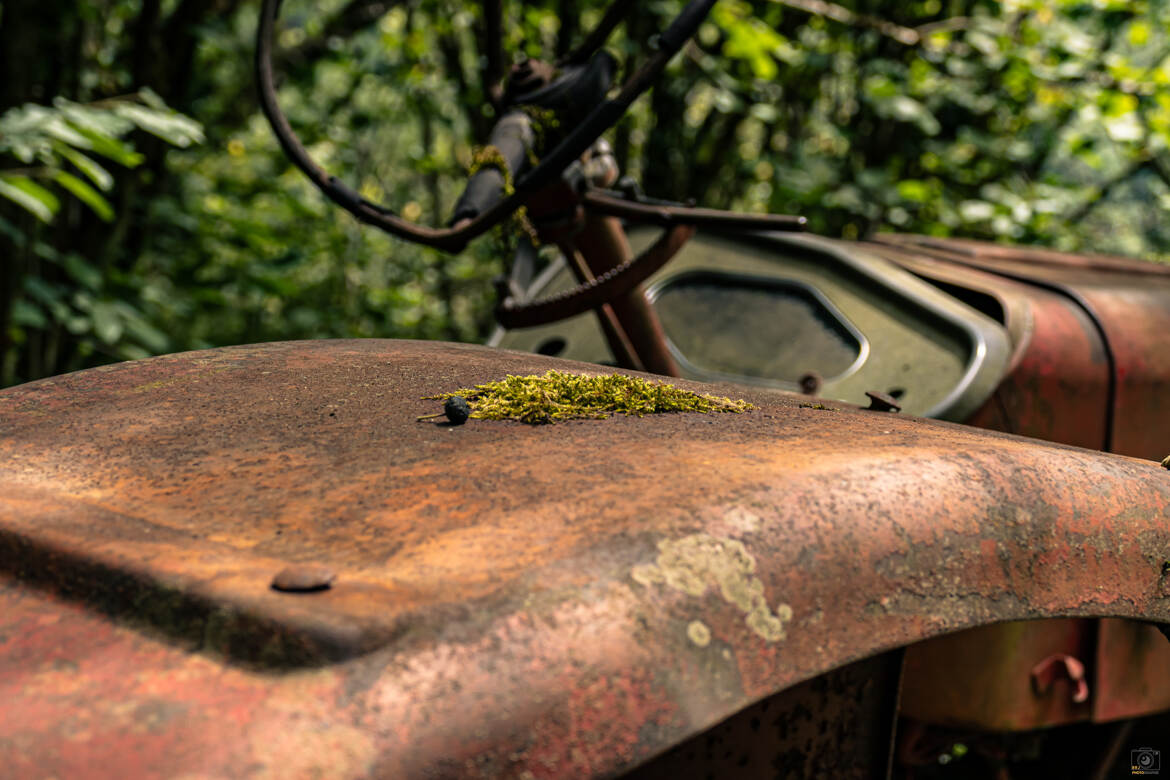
[
  {"x": 741, "y": 521},
  {"x": 492, "y": 157},
  {"x": 695, "y": 563},
  {"x": 562, "y": 396},
  {"x": 698, "y": 633},
  {"x": 546, "y": 129},
  {"x": 518, "y": 223}
]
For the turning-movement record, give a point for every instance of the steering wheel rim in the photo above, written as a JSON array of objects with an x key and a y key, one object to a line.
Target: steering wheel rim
[{"x": 454, "y": 239}]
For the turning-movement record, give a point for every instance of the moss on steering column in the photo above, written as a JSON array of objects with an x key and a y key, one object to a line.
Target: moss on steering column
[
  {"x": 491, "y": 157},
  {"x": 518, "y": 223}
]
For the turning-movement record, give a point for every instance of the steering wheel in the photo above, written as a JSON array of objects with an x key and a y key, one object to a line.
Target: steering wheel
[{"x": 600, "y": 117}]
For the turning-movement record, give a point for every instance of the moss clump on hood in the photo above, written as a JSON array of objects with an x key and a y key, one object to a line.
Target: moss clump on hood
[{"x": 557, "y": 395}]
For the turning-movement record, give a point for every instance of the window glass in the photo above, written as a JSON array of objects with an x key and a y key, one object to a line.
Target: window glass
[{"x": 754, "y": 327}]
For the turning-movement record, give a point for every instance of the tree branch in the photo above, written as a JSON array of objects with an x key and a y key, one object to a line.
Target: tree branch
[
  {"x": 907, "y": 36},
  {"x": 353, "y": 18}
]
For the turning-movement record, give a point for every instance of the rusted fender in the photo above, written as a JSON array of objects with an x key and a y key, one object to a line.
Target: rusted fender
[{"x": 560, "y": 601}]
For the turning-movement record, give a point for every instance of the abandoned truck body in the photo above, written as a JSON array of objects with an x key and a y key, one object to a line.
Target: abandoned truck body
[
  {"x": 1071, "y": 349},
  {"x": 504, "y": 599},
  {"x": 257, "y": 561}
]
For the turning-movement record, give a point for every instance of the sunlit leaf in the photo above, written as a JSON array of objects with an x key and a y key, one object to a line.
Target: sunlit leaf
[
  {"x": 91, "y": 169},
  {"x": 59, "y": 129},
  {"x": 914, "y": 190},
  {"x": 30, "y": 196},
  {"x": 86, "y": 194},
  {"x": 114, "y": 149},
  {"x": 170, "y": 126},
  {"x": 92, "y": 121},
  {"x": 976, "y": 210}
]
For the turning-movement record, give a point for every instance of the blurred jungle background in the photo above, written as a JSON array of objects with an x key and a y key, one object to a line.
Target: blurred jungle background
[{"x": 146, "y": 208}]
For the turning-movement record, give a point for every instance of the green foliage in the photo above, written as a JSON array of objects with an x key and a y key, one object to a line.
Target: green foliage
[
  {"x": 557, "y": 395},
  {"x": 1023, "y": 120},
  {"x": 47, "y": 141},
  {"x": 1026, "y": 121},
  {"x": 62, "y": 151}
]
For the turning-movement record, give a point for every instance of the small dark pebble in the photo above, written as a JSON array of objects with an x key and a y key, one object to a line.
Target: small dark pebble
[{"x": 457, "y": 410}]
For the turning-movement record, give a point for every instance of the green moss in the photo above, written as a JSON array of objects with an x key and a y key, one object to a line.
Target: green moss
[
  {"x": 562, "y": 396},
  {"x": 517, "y": 223},
  {"x": 546, "y": 129},
  {"x": 492, "y": 157},
  {"x": 817, "y": 406}
]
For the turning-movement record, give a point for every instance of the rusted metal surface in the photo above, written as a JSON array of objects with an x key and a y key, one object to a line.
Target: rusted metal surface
[
  {"x": 654, "y": 212},
  {"x": 567, "y": 600},
  {"x": 983, "y": 678},
  {"x": 1129, "y": 302},
  {"x": 839, "y": 725},
  {"x": 1063, "y": 667},
  {"x": 1034, "y": 256},
  {"x": 589, "y": 295},
  {"x": 882, "y": 402},
  {"x": 1132, "y": 670},
  {"x": 1058, "y": 384},
  {"x": 1058, "y": 389},
  {"x": 604, "y": 246}
]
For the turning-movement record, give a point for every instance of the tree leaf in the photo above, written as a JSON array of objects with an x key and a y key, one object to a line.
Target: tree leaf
[
  {"x": 976, "y": 210},
  {"x": 82, "y": 272},
  {"x": 113, "y": 148},
  {"x": 914, "y": 190},
  {"x": 31, "y": 196},
  {"x": 152, "y": 99},
  {"x": 58, "y": 128},
  {"x": 91, "y": 169},
  {"x": 107, "y": 324},
  {"x": 86, "y": 194},
  {"x": 27, "y": 314},
  {"x": 172, "y": 127},
  {"x": 46, "y": 293},
  {"x": 93, "y": 121},
  {"x": 141, "y": 331}
]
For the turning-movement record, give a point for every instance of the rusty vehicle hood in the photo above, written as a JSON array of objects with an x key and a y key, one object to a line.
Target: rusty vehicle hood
[{"x": 564, "y": 600}]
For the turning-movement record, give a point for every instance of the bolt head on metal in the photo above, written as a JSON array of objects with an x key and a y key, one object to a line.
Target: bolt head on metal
[
  {"x": 882, "y": 402},
  {"x": 810, "y": 383},
  {"x": 303, "y": 578}
]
